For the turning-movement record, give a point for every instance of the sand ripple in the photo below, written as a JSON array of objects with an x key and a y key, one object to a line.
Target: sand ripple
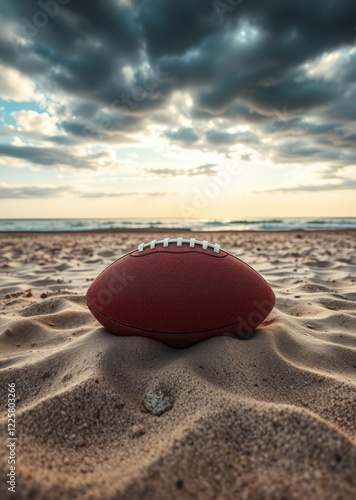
[{"x": 269, "y": 417}]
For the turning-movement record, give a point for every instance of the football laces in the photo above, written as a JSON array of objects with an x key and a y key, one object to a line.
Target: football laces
[{"x": 179, "y": 242}]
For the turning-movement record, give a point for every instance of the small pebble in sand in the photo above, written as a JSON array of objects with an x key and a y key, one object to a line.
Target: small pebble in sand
[
  {"x": 66, "y": 460},
  {"x": 158, "y": 402},
  {"x": 8, "y": 332},
  {"x": 137, "y": 431}
]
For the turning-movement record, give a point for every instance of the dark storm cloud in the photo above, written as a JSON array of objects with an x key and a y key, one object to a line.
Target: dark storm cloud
[
  {"x": 105, "y": 130},
  {"x": 74, "y": 128},
  {"x": 207, "y": 169},
  {"x": 236, "y": 112},
  {"x": 307, "y": 150},
  {"x": 184, "y": 135},
  {"x": 218, "y": 137},
  {"x": 175, "y": 27},
  {"x": 65, "y": 25},
  {"x": 119, "y": 62},
  {"x": 301, "y": 126},
  {"x": 39, "y": 156},
  {"x": 49, "y": 157}
]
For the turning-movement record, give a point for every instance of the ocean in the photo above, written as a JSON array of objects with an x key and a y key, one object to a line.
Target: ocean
[{"x": 282, "y": 224}]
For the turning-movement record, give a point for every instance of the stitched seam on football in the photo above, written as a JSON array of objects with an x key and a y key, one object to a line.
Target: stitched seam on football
[{"x": 154, "y": 252}]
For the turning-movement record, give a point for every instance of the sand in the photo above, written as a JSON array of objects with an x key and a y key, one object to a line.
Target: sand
[{"x": 100, "y": 416}]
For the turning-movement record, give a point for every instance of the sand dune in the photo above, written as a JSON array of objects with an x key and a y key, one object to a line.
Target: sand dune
[{"x": 100, "y": 416}]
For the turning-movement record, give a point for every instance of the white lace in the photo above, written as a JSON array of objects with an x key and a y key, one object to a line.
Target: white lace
[{"x": 192, "y": 242}]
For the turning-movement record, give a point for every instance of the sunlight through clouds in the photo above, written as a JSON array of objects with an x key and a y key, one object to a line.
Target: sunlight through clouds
[{"x": 144, "y": 95}]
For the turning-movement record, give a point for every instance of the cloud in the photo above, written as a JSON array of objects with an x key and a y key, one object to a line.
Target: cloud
[
  {"x": 324, "y": 150},
  {"x": 8, "y": 191},
  {"x": 328, "y": 186},
  {"x": 207, "y": 169},
  {"x": 119, "y": 65},
  {"x": 54, "y": 157},
  {"x": 34, "y": 123},
  {"x": 184, "y": 135},
  {"x": 323, "y": 178},
  {"x": 120, "y": 194},
  {"x": 218, "y": 137},
  {"x": 14, "y": 86}
]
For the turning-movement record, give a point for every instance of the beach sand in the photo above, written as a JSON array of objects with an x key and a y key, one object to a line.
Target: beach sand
[{"x": 269, "y": 417}]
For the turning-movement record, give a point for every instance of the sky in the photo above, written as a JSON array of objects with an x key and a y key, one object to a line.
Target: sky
[{"x": 223, "y": 109}]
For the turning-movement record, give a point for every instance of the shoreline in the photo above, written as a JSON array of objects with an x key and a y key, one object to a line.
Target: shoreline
[{"x": 175, "y": 231}]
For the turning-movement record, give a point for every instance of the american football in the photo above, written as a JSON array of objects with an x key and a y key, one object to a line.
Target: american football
[{"x": 180, "y": 292}]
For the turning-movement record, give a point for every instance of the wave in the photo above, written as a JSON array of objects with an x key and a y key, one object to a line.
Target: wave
[
  {"x": 56, "y": 225},
  {"x": 249, "y": 221}
]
